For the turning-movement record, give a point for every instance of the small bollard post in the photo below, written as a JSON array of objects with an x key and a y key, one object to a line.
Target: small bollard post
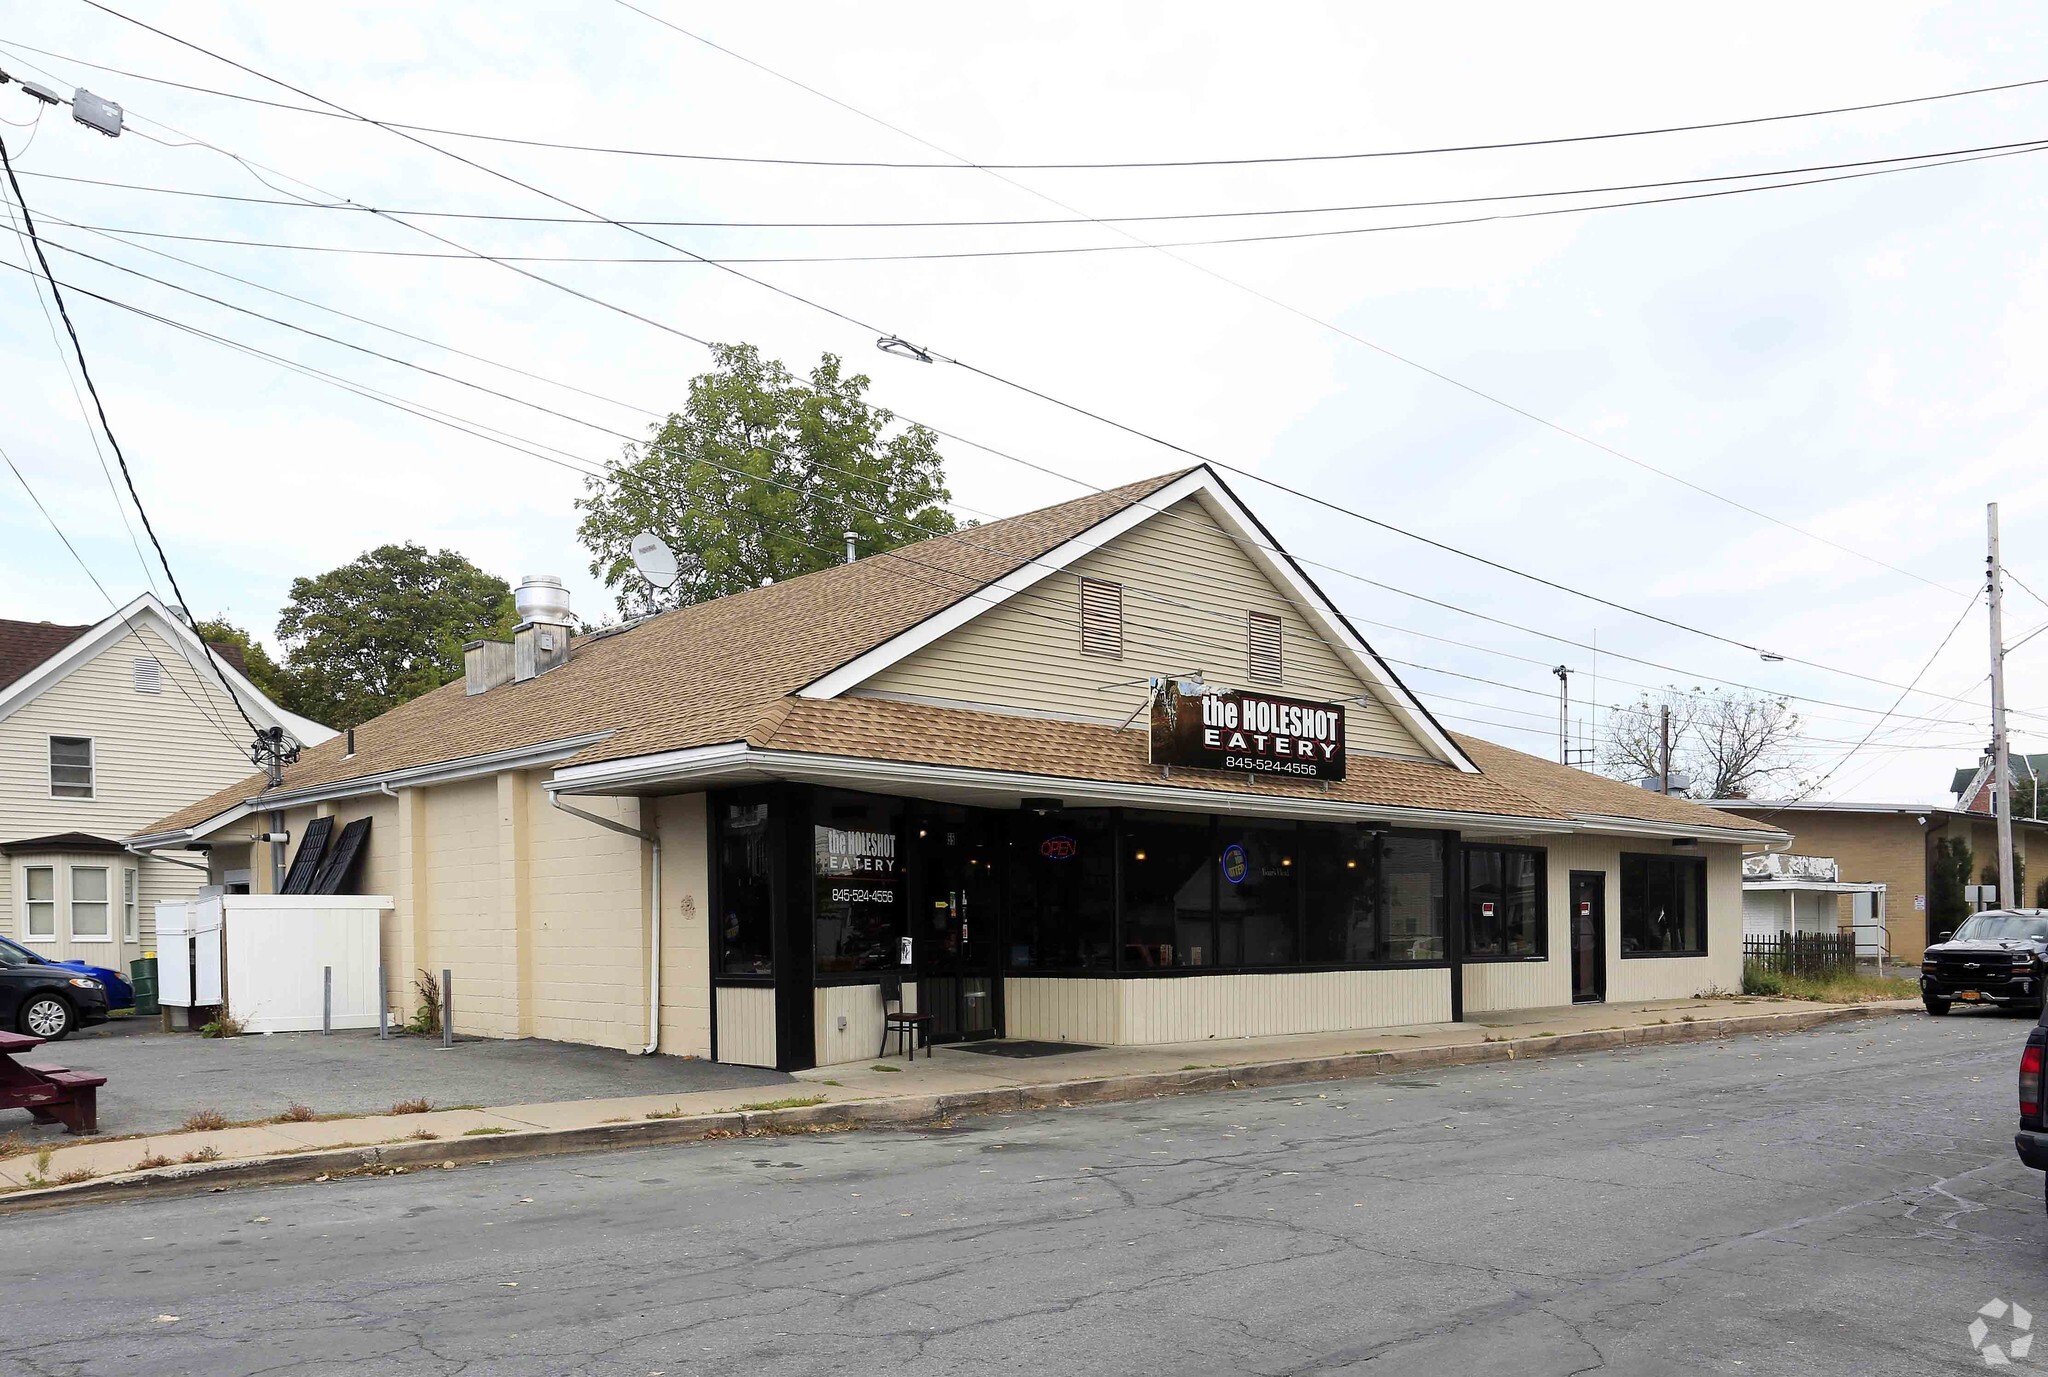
[
  {"x": 326, "y": 1000},
  {"x": 447, "y": 1008},
  {"x": 383, "y": 1006}
]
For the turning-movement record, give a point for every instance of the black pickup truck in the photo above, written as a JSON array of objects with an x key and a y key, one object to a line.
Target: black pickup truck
[
  {"x": 1998, "y": 957},
  {"x": 2032, "y": 1139}
]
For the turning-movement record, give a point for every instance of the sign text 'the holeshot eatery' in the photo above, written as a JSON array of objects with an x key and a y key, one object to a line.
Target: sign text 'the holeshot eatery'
[{"x": 1238, "y": 730}]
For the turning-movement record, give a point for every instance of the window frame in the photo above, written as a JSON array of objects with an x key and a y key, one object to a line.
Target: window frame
[
  {"x": 105, "y": 904},
  {"x": 92, "y": 769},
  {"x": 131, "y": 904},
  {"x": 1542, "y": 855},
  {"x": 28, "y": 932},
  {"x": 1699, "y": 864}
]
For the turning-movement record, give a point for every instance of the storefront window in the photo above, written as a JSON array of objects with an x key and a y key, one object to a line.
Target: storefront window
[
  {"x": 858, "y": 908},
  {"x": 1340, "y": 867},
  {"x": 1169, "y": 880},
  {"x": 1257, "y": 898},
  {"x": 1663, "y": 906},
  {"x": 1504, "y": 903},
  {"x": 746, "y": 944},
  {"x": 1061, "y": 895},
  {"x": 1413, "y": 870}
]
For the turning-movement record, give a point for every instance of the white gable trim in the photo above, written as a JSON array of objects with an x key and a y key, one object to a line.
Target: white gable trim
[
  {"x": 1237, "y": 522},
  {"x": 147, "y": 611}
]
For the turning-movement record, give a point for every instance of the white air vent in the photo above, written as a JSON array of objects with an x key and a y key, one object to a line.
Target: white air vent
[
  {"x": 1265, "y": 647},
  {"x": 149, "y": 675},
  {"x": 1102, "y": 619}
]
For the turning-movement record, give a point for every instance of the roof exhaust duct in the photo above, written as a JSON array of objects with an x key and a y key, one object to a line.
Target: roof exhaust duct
[{"x": 541, "y": 640}]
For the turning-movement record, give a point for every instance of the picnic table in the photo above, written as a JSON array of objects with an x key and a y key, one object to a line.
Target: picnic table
[{"x": 52, "y": 1094}]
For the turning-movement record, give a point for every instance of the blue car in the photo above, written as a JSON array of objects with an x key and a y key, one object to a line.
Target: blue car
[{"x": 120, "y": 994}]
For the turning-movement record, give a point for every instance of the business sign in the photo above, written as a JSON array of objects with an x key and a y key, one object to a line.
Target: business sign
[
  {"x": 1246, "y": 732},
  {"x": 1235, "y": 864}
]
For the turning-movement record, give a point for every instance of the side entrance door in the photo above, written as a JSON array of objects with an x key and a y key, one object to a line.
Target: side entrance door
[
  {"x": 1589, "y": 936},
  {"x": 953, "y": 925}
]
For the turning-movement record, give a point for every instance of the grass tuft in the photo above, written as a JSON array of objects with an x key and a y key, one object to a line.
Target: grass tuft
[
  {"x": 297, "y": 1114},
  {"x": 793, "y": 1102},
  {"x": 487, "y": 1130},
  {"x": 205, "y": 1121},
  {"x": 411, "y": 1107}
]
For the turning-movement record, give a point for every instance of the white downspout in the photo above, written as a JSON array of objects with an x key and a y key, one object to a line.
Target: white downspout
[{"x": 654, "y": 916}]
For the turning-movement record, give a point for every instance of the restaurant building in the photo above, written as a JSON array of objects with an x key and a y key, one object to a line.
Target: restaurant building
[{"x": 1111, "y": 772}]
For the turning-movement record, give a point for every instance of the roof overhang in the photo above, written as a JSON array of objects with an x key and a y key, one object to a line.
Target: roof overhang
[
  {"x": 735, "y": 763},
  {"x": 441, "y": 772},
  {"x": 1777, "y": 886},
  {"x": 1258, "y": 544}
]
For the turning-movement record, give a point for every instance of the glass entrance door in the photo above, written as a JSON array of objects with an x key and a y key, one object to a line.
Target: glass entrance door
[
  {"x": 1589, "y": 936},
  {"x": 953, "y": 924}
]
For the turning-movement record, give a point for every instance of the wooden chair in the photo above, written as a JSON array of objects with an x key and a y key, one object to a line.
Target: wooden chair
[
  {"x": 51, "y": 1094},
  {"x": 912, "y": 1030}
]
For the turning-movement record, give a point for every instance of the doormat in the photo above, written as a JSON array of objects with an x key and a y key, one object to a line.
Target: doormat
[{"x": 1026, "y": 1048}]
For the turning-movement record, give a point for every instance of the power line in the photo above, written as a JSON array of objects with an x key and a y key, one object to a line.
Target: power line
[
  {"x": 965, "y": 166},
  {"x": 1309, "y": 316},
  {"x": 1074, "y": 250},
  {"x": 1267, "y": 212},
  {"x": 85, "y": 372},
  {"x": 1023, "y": 388}
]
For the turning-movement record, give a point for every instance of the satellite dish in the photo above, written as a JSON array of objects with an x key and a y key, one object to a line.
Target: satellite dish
[{"x": 655, "y": 561}]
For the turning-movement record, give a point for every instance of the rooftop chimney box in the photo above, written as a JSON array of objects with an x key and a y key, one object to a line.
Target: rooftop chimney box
[{"x": 541, "y": 640}]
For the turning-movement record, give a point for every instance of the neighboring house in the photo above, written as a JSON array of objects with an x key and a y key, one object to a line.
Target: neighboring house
[
  {"x": 1892, "y": 844},
  {"x": 725, "y": 831},
  {"x": 103, "y": 727},
  {"x": 1805, "y": 895},
  {"x": 1976, "y": 788}
]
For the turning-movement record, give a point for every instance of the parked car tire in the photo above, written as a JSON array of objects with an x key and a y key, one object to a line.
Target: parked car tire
[
  {"x": 47, "y": 1016},
  {"x": 1937, "y": 1007}
]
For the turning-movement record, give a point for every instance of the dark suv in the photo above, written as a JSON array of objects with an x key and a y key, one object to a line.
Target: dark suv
[
  {"x": 1996, "y": 957},
  {"x": 47, "y": 1001}
]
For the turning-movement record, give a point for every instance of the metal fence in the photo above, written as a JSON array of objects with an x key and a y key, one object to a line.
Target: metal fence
[{"x": 1817, "y": 954}]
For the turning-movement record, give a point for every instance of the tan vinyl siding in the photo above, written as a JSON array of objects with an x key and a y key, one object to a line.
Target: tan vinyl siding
[
  {"x": 862, "y": 1006},
  {"x": 1054, "y": 1010},
  {"x": 746, "y": 1025},
  {"x": 1196, "y": 1008},
  {"x": 1187, "y": 591}
]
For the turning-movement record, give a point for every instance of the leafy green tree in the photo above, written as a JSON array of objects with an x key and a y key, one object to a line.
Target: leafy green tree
[
  {"x": 758, "y": 478},
  {"x": 385, "y": 628},
  {"x": 1947, "y": 906},
  {"x": 253, "y": 660}
]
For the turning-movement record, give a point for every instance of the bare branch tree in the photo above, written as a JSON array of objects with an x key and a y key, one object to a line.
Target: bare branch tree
[
  {"x": 1632, "y": 748},
  {"x": 1740, "y": 741}
]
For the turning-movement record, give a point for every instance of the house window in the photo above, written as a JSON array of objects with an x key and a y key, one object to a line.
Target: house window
[
  {"x": 90, "y": 909},
  {"x": 70, "y": 767},
  {"x": 1168, "y": 890},
  {"x": 1102, "y": 619},
  {"x": 1265, "y": 647},
  {"x": 746, "y": 890},
  {"x": 1061, "y": 891},
  {"x": 1258, "y": 903},
  {"x": 131, "y": 916},
  {"x": 1663, "y": 905},
  {"x": 39, "y": 902},
  {"x": 859, "y": 912},
  {"x": 1504, "y": 909},
  {"x": 149, "y": 675}
]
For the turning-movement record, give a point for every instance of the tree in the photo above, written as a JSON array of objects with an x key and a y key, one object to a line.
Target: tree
[
  {"x": 1724, "y": 744},
  {"x": 1947, "y": 905},
  {"x": 385, "y": 628},
  {"x": 758, "y": 478},
  {"x": 248, "y": 655}
]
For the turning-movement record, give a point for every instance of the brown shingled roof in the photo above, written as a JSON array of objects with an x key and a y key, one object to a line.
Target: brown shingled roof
[
  {"x": 701, "y": 674},
  {"x": 24, "y": 645},
  {"x": 725, "y": 671}
]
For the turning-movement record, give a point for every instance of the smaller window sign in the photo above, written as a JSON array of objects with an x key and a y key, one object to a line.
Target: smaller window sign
[
  {"x": 1585, "y": 908},
  {"x": 1059, "y": 848},
  {"x": 1235, "y": 864}
]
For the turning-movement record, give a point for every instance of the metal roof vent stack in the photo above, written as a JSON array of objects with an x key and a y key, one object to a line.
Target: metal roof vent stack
[{"x": 541, "y": 640}]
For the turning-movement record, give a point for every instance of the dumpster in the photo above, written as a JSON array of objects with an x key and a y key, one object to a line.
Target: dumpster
[{"x": 142, "y": 975}]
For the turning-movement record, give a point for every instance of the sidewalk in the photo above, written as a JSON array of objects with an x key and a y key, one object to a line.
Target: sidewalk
[{"x": 57, "y": 1169}]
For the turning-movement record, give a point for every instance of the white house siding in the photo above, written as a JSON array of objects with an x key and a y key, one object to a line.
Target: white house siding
[
  {"x": 1680, "y": 977},
  {"x": 1764, "y": 912},
  {"x": 1188, "y": 588},
  {"x": 153, "y": 754}
]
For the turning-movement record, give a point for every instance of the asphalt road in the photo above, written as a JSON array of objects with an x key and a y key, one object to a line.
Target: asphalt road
[{"x": 1833, "y": 1202}]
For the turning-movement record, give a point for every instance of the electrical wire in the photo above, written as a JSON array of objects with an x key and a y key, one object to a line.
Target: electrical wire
[
  {"x": 1022, "y": 388},
  {"x": 1060, "y": 250},
  {"x": 120, "y": 458},
  {"x": 1265, "y": 160}
]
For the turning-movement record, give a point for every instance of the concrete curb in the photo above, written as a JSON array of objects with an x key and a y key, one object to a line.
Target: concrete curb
[{"x": 401, "y": 1158}]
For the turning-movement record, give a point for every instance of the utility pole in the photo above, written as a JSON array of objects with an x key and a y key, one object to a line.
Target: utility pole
[
  {"x": 1664, "y": 747},
  {"x": 1564, "y": 702},
  {"x": 2001, "y": 749}
]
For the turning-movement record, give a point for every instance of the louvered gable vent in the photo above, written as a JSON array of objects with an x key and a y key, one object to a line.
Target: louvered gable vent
[
  {"x": 1102, "y": 619},
  {"x": 1265, "y": 647},
  {"x": 149, "y": 675}
]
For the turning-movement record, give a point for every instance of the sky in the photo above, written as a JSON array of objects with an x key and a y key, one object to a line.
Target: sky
[{"x": 1776, "y": 417}]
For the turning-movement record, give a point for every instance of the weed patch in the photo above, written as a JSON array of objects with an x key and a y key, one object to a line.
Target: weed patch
[
  {"x": 297, "y": 1114},
  {"x": 793, "y": 1102},
  {"x": 487, "y": 1130},
  {"x": 205, "y": 1121},
  {"x": 411, "y": 1107}
]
